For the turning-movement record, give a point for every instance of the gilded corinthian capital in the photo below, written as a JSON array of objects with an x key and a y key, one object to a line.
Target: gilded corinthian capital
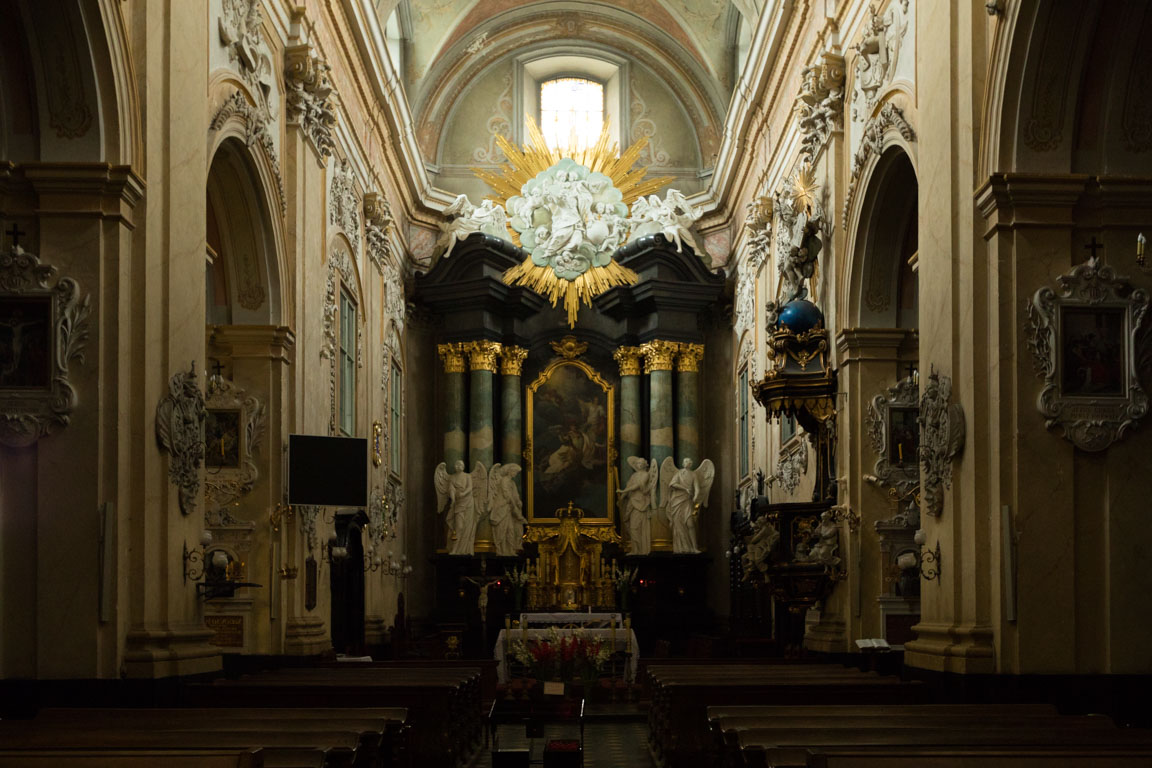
[
  {"x": 689, "y": 357},
  {"x": 658, "y": 355},
  {"x": 628, "y": 358},
  {"x": 453, "y": 357},
  {"x": 512, "y": 360},
  {"x": 482, "y": 355}
]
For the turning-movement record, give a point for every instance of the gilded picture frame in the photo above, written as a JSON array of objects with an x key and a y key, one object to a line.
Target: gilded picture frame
[
  {"x": 894, "y": 434},
  {"x": 571, "y": 448},
  {"x": 1082, "y": 337}
]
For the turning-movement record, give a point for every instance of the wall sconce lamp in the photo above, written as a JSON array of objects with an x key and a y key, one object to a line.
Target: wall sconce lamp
[
  {"x": 400, "y": 569},
  {"x": 194, "y": 558},
  {"x": 930, "y": 564},
  {"x": 1141, "y": 258},
  {"x": 278, "y": 514},
  {"x": 334, "y": 551}
]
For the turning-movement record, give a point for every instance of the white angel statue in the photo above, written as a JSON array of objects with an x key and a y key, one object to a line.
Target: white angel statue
[
  {"x": 462, "y": 495},
  {"x": 489, "y": 218},
  {"x": 505, "y": 509},
  {"x": 672, "y": 217},
  {"x": 682, "y": 492},
  {"x": 638, "y": 504}
]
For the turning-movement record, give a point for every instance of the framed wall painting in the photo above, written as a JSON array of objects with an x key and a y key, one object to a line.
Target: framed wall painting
[
  {"x": 894, "y": 433},
  {"x": 571, "y": 431},
  {"x": 1082, "y": 337}
]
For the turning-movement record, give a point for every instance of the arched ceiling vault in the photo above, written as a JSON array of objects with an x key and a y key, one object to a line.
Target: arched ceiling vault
[{"x": 688, "y": 44}]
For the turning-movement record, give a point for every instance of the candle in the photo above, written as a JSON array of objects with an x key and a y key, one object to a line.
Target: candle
[{"x": 900, "y": 449}]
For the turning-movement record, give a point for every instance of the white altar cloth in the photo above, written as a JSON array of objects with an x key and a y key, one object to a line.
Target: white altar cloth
[
  {"x": 571, "y": 619},
  {"x": 623, "y": 638}
]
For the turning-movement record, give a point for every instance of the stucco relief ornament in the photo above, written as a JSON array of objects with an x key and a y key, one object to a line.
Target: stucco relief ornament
[
  {"x": 467, "y": 219},
  {"x": 225, "y": 484},
  {"x": 378, "y": 221},
  {"x": 569, "y": 209},
  {"x": 343, "y": 205},
  {"x": 797, "y": 263},
  {"x": 239, "y": 28},
  {"x": 942, "y": 434},
  {"x": 308, "y": 90},
  {"x": 902, "y": 396},
  {"x": 820, "y": 104},
  {"x": 791, "y": 465},
  {"x": 180, "y": 433},
  {"x": 1083, "y": 343},
  {"x": 878, "y": 51},
  {"x": 50, "y": 321}
]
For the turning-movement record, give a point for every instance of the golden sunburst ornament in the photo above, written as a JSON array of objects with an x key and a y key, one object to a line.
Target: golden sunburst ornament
[
  {"x": 804, "y": 188},
  {"x": 569, "y": 257}
]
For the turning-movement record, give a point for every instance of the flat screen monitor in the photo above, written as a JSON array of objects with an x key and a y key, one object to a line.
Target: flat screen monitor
[{"x": 328, "y": 471}]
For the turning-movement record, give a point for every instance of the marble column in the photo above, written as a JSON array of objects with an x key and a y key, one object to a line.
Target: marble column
[
  {"x": 688, "y": 402},
  {"x": 658, "y": 356},
  {"x": 511, "y": 433},
  {"x": 631, "y": 442},
  {"x": 455, "y": 404},
  {"x": 482, "y": 356}
]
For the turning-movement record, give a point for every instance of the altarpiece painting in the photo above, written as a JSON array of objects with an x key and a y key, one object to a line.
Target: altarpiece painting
[{"x": 571, "y": 423}]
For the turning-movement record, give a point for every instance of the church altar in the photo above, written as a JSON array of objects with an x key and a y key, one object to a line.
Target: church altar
[{"x": 620, "y": 638}]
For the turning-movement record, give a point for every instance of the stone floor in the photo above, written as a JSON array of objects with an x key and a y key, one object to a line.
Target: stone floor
[{"x": 619, "y": 744}]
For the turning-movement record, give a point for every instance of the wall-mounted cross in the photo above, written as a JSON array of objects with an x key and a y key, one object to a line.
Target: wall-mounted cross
[
  {"x": 218, "y": 370},
  {"x": 912, "y": 370},
  {"x": 15, "y": 233},
  {"x": 1094, "y": 246}
]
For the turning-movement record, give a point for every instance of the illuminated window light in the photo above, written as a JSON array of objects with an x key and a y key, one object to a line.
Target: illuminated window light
[{"x": 571, "y": 112}]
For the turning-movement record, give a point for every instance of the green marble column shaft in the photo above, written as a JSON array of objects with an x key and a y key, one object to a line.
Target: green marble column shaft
[
  {"x": 688, "y": 403},
  {"x": 481, "y": 442},
  {"x": 455, "y": 404},
  {"x": 658, "y": 357},
  {"x": 511, "y": 431},
  {"x": 631, "y": 417}
]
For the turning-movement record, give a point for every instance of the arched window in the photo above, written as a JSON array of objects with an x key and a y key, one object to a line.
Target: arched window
[
  {"x": 346, "y": 401},
  {"x": 571, "y": 112}
]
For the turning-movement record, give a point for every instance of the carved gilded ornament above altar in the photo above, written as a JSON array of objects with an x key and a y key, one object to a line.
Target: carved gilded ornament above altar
[
  {"x": 569, "y": 348},
  {"x": 46, "y": 321}
]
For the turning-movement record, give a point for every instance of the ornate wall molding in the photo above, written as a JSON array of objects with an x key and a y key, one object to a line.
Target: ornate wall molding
[
  {"x": 256, "y": 134},
  {"x": 378, "y": 221},
  {"x": 180, "y": 434},
  {"x": 307, "y": 516},
  {"x": 903, "y": 395},
  {"x": 820, "y": 104},
  {"x": 942, "y": 433},
  {"x": 50, "y": 309},
  {"x": 1092, "y": 414},
  {"x": 227, "y": 484},
  {"x": 791, "y": 465},
  {"x": 890, "y": 118},
  {"x": 306, "y": 100},
  {"x": 343, "y": 205},
  {"x": 878, "y": 53},
  {"x": 239, "y": 28}
]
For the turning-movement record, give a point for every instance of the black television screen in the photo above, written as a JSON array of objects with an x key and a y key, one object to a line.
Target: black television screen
[{"x": 328, "y": 471}]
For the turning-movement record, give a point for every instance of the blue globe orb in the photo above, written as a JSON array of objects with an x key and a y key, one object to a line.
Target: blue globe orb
[{"x": 800, "y": 315}]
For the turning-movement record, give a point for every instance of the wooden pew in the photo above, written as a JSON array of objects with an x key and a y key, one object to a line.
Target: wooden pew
[
  {"x": 329, "y": 749},
  {"x": 199, "y": 757},
  {"x": 681, "y": 694},
  {"x": 444, "y": 709},
  {"x": 381, "y": 731},
  {"x": 828, "y": 747}
]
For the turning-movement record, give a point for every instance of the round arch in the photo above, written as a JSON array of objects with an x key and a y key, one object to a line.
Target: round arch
[
  {"x": 881, "y": 290},
  {"x": 244, "y": 244}
]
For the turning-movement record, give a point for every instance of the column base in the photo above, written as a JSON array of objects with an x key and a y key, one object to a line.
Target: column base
[
  {"x": 306, "y": 636},
  {"x": 175, "y": 651},
  {"x": 375, "y": 630},
  {"x": 826, "y": 634},
  {"x": 948, "y": 648}
]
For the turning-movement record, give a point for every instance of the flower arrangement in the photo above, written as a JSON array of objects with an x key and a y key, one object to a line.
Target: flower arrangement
[
  {"x": 518, "y": 580},
  {"x": 564, "y": 658},
  {"x": 624, "y": 578}
]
